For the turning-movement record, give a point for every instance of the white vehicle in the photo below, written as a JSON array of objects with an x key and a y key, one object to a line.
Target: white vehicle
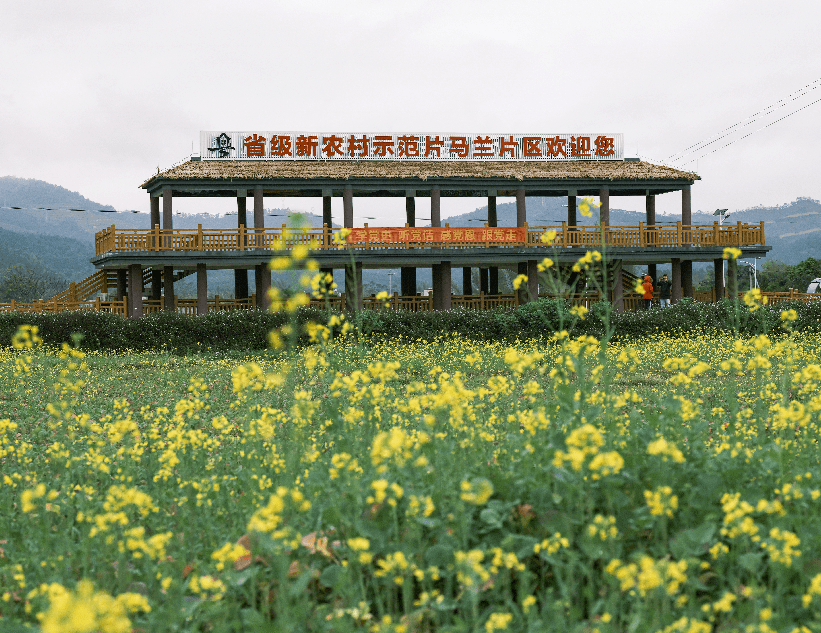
[{"x": 815, "y": 285}]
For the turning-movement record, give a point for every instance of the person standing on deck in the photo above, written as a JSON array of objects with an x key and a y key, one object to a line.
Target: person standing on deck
[
  {"x": 648, "y": 291},
  {"x": 665, "y": 287}
]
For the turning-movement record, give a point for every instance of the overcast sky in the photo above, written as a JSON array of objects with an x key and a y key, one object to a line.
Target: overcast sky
[{"x": 96, "y": 95}]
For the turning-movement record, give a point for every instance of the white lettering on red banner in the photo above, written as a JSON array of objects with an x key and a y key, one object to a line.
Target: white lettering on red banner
[{"x": 266, "y": 145}]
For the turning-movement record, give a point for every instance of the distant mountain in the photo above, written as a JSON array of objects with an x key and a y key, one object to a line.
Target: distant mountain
[
  {"x": 792, "y": 229},
  {"x": 62, "y": 256}
]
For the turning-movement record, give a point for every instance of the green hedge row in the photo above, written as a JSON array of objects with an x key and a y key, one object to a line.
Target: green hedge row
[{"x": 247, "y": 330}]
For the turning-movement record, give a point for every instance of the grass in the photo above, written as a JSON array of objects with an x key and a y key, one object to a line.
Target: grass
[{"x": 657, "y": 484}]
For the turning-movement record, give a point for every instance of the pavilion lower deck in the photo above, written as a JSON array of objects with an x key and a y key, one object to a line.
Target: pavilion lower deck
[{"x": 157, "y": 256}]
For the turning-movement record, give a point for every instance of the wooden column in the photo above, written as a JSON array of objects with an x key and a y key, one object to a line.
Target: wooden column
[
  {"x": 604, "y": 210},
  {"x": 353, "y": 287},
  {"x": 651, "y": 270},
  {"x": 259, "y": 216},
  {"x": 435, "y": 207},
  {"x": 327, "y": 222},
  {"x": 571, "y": 208},
  {"x": 262, "y": 281},
  {"x": 492, "y": 220},
  {"x": 135, "y": 294},
  {"x": 521, "y": 207},
  {"x": 202, "y": 289},
  {"x": 686, "y": 206},
  {"x": 524, "y": 290},
  {"x": 718, "y": 270},
  {"x": 650, "y": 208},
  {"x": 408, "y": 273},
  {"x": 676, "y": 290},
  {"x": 618, "y": 286},
  {"x": 533, "y": 279},
  {"x": 686, "y": 221},
  {"x": 155, "y": 212},
  {"x": 122, "y": 284},
  {"x": 687, "y": 278},
  {"x": 484, "y": 279},
  {"x": 467, "y": 283},
  {"x": 156, "y": 284},
  {"x": 521, "y": 220},
  {"x": 444, "y": 286},
  {"x": 347, "y": 207},
  {"x": 168, "y": 288},
  {"x": 168, "y": 227},
  {"x": 240, "y": 274},
  {"x": 732, "y": 279},
  {"x": 167, "y": 209},
  {"x": 436, "y": 270}
]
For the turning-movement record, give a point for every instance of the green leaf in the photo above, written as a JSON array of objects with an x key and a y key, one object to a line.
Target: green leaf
[
  {"x": 331, "y": 575},
  {"x": 751, "y": 561},
  {"x": 439, "y": 555},
  {"x": 693, "y": 542}
]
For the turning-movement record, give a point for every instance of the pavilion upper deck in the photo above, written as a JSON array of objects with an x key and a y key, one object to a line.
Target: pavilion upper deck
[{"x": 114, "y": 240}]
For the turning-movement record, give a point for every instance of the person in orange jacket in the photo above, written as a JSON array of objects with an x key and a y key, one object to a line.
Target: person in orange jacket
[{"x": 648, "y": 291}]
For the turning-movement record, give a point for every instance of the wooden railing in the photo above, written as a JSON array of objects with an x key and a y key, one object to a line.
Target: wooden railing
[
  {"x": 339, "y": 302},
  {"x": 113, "y": 239}
]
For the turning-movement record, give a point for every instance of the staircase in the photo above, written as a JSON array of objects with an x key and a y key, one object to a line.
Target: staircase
[{"x": 103, "y": 281}]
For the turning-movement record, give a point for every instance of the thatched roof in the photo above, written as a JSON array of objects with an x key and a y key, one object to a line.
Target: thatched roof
[{"x": 235, "y": 170}]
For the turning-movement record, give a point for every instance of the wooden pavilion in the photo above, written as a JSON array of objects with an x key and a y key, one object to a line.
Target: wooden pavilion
[{"x": 170, "y": 252}]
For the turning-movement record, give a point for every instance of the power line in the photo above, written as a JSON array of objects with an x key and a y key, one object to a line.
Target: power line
[
  {"x": 753, "y": 132},
  {"x": 20, "y": 208},
  {"x": 697, "y": 147}
]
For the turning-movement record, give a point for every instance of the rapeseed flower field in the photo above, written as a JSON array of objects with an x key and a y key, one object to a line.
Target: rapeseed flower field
[{"x": 664, "y": 484}]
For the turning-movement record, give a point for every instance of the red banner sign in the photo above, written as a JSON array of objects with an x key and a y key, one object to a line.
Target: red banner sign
[{"x": 443, "y": 234}]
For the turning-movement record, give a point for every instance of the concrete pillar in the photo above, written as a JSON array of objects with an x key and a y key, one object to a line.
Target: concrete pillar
[
  {"x": 533, "y": 279},
  {"x": 604, "y": 209},
  {"x": 718, "y": 268},
  {"x": 353, "y": 287},
  {"x": 122, "y": 284},
  {"x": 687, "y": 278},
  {"x": 202, "y": 289},
  {"x": 135, "y": 294},
  {"x": 676, "y": 290},
  {"x": 467, "y": 283},
  {"x": 156, "y": 284},
  {"x": 618, "y": 286},
  {"x": 168, "y": 288},
  {"x": 167, "y": 209},
  {"x": 435, "y": 207},
  {"x": 521, "y": 207},
  {"x": 408, "y": 273},
  {"x": 347, "y": 207},
  {"x": 492, "y": 220},
  {"x": 155, "y": 212},
  {"x": 732, "y": 279}
]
